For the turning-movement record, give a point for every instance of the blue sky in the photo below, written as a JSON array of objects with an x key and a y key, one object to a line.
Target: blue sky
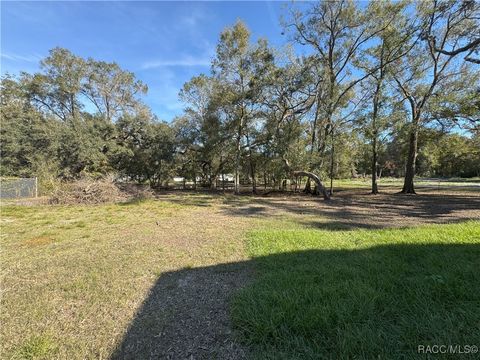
[{"x": 163, "y": 43}]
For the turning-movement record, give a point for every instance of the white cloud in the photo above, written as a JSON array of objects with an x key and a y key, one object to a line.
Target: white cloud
[
  {"x": 190, "y": 20},
  {"x": 195, "y": 18},
  {"x": 184, "y": 61},
  {"x": 25, "y": 58}
]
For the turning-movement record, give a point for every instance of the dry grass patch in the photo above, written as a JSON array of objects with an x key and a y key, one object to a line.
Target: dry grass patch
[
  {"x": 73, "y": 277},
  {"x": 38, "y": 241}
]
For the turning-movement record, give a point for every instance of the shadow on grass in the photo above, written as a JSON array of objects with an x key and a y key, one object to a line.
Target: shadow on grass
[
  {"x": 134, "y": 201},
  {"x": 339, "y": 225},
  {"x": 186, "y": 316},
  {"x": 353, "y": 210},
  {"x": 348, "y": 209},
  {"x": 378, "y": 302}
]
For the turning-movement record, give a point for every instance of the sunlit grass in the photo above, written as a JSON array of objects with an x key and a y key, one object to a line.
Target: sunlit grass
[
  {"x": 390, "y": 182},
  {"x": 73, "y": 276},
  {"x": 361, "y": 293}
]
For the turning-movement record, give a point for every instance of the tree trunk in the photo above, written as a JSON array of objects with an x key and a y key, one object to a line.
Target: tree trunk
[
  {"x": 308, "y": 187},
  {"x": 252, "y": 167},
  {"x": 239, "y": 140},
  {"x": 237, "y": 163},
  {"x": 374, "y": 166},
  {"x": 408, "y": 186},
  {"x": 375, "y": 140},
  {"x": 310, "y": 176},
  {"x": 376, "y": 104},
  {"x": 316, "y": 180},
  {"x": 254, "y": 181},
  {"x": 332, "y": 161}
]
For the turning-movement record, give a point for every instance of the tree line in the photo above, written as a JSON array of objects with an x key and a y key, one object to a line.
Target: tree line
[{"x": 383, "y": 89}]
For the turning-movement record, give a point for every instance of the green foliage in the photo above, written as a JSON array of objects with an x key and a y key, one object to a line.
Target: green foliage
[
  {"x": 376, "y": 83},
  {"x": 47, "y": 132},
  {"x": 146, "y": 149},
  {"x": 449, "y": 155},
  {"x": 28, "y": 140}
]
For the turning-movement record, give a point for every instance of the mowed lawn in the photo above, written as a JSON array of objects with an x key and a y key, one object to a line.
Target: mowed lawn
[
  {"x": 75, "y": 278},
  {"x": 455, "y": 184},
  {"x": 367, "y": 294}
]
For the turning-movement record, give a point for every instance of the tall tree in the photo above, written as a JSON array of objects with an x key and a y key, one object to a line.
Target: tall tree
[
  {"x": 202, "y": 133},
  {"x": 336, "y": 31},
  {"x": 390, "y": 44},
  {"x": 56, "y": 89},
  {"x": 231, "y": 69},
  {"x": 236, "y": 68},
  {"x": 424, "y": 71},
  {"x": 111, "y": 90},
  {"x": 67, "y": 83}
]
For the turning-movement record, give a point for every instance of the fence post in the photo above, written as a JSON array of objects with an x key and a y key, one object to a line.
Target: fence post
[{"x": 36, "y": 187}]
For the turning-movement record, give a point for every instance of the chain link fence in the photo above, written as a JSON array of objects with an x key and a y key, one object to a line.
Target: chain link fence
[{"x": 15, "y": 188}]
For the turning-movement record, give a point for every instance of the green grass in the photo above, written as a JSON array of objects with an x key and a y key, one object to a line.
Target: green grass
[
  {"x": 37, "y": 347},
  {"x": 363, "y": 294},
  {"x": 390, "y": 182}
]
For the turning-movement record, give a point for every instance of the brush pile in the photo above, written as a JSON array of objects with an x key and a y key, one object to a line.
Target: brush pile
[{"x": 88, "y": 191}]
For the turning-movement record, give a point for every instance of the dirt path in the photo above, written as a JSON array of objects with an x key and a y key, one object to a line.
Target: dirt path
[{"x": 352, "y": 209}]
